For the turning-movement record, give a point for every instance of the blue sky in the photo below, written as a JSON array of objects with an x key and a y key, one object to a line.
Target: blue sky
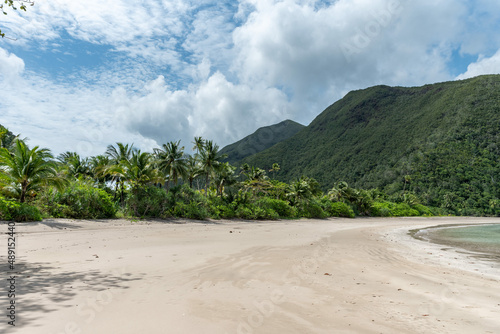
[{"x": 77, "y": 76}]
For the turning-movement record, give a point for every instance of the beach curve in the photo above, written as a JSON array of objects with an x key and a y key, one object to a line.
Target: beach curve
[{"x": 299, "y": 276}]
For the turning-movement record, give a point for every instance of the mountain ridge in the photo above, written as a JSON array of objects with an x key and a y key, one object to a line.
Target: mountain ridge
[
  {"x": 263, "y": 138},
  {"x": 375, "y": 137}
]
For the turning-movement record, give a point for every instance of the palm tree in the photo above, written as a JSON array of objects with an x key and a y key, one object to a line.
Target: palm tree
[
  {"x": 24, "y": 171},
  {"x": 198, "y": 142},
  {"x": 210, "y": 159},
  {"x": 192, "y": 169},
  {"x": 98, "y": 166},
  {"x": 171, "y": 161},
  {"x": 117, "y": 175},
  {"x": 120, "y": 153},
  {"x": 118, "y": 156},
  {"x": 303, "y": 189},
  {"x": 140, "y": 169},
  {"x": 224, "y": 176},
  {"x": 339, "y": 192},
  {"x": 274, "y": 169},
  {"x": 73, "y": 165}
]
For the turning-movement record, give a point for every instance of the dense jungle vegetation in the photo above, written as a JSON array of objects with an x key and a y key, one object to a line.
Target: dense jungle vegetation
[
  {"x": 439, "y": 142},
  {"x": 125, "y": 182}
]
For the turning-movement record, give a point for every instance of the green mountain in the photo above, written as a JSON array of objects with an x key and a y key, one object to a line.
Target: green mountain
[
  {"x": 440, "y": 141},
  {"x": 261, "y": 139}
]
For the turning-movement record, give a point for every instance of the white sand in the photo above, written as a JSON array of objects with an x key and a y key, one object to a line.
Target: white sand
[{"x": 307, "y": 276}]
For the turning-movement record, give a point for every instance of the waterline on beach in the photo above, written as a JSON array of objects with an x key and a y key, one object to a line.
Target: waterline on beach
[{"x": 482, "y": 241}]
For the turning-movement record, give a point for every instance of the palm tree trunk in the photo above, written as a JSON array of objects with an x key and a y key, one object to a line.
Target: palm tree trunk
[
  {"x": 23, "y": 194},
  {"x": 121, "y": 192}
]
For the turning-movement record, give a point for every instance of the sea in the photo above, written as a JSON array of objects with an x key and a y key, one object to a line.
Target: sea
[{"x": 483, "y": 241}]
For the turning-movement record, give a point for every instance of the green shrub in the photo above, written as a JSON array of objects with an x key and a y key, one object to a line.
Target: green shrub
[
  {"x": 244, "y": 212},
  {"x": 12, "y": 210},
  {"x": 147, "y": 201},
  {"x": 185, "y": 194},
  {"x": 254, "y": 212},
  {"x": 280, "y": 207},
  {"x": 337, "y": 209},
  {"x": 191, "y": 210},
  {"x": 422, "y": 210},
  {"x": 221, "y": 210},
  {"x": 439, "y": 211},
  {"x": 79, "y": 200},
  {"x": 389, "y": 209},
  {"x": 311, "y": 209}
]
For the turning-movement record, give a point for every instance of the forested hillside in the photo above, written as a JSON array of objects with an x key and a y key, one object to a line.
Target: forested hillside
[
  {"x": 439, "y": 141},
  {"x": 260, "y": 140}
]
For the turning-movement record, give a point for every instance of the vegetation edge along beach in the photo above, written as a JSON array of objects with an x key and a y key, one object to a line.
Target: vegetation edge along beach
[{"x": 125, "y": 182}]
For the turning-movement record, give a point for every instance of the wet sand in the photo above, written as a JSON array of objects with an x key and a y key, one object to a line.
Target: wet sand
[
  {"x": 305, "y": 276},
  {"x": 483, "y": 243}
]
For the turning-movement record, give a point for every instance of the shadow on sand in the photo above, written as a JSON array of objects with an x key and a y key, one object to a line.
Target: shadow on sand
[{"x": 41, "y": 288}]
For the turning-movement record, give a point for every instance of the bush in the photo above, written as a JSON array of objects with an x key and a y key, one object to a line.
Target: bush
[
  {"x": 440, "y": 211},
  {"x": 254, "y": 212},
  {"x": 282, "y": 208},
  {"x": 12, "y": 210},
  {"x": 79, "y": 200},
  {"x": 147, "y": 201},
  {"x": 218, "y": 210},
  {"x": 191, "y": 210},
  {"x": 337, "y": 209},
  {"x": 311, "y": 209},
  {"x": 389, "y": 209},
  {"x": 422, "y": 210}
]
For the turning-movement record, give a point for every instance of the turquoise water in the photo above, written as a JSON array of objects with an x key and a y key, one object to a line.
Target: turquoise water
[{"x": 483, "y": 239}]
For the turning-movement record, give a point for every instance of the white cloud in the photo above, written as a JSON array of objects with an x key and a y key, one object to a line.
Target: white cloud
[
  {"x": 215, "y": 109},
  {"x": 62, "y": 117},
  {"x": 483, "y": 65},
  {"x": 220, "y": 69},
  {"x": 320, "y": 52},
  {"x": 122, "y": 24},
  {"x": 11, "y": 66}
]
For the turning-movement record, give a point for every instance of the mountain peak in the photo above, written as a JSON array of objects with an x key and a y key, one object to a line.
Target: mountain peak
[{"x": 262, "y": 139}]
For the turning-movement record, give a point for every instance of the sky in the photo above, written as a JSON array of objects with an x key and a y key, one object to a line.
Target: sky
[{"x": 80, "y": 75}]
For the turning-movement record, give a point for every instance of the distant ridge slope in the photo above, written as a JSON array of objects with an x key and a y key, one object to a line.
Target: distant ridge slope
[
  {"x": 261, "y": 139},
  {"x": 440, "y": 141}
]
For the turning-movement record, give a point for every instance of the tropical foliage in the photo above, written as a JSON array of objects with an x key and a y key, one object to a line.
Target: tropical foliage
[{"x": 24, "y": 171}]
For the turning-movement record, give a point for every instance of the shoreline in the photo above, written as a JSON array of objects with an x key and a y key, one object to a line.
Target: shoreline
[
  {"x": 476, "y": 253},
  {"x": 302, "y": 276},
  {"x": 452, "y": 255}
]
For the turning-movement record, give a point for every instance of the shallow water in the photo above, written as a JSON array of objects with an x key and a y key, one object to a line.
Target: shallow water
[{"x": 482, "y": 239}]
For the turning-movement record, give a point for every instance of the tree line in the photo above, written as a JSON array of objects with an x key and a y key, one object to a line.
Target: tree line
[{"x": 168, "y": 182}]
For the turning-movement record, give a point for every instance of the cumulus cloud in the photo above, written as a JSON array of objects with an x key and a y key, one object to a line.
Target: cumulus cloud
[
  {"x": 143, "y": 30},
  {"x": 176, "y": 69},
  {"x": 484, "y": 65},
  {"x": 215, "y": 109},
  {"x": 61, "y": 117},
  {"x": 11, "y": 66},
  {"x": 319, "y": 53}
]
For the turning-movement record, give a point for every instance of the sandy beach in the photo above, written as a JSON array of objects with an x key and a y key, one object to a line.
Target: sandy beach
[{"x": 300, "y": 276}]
